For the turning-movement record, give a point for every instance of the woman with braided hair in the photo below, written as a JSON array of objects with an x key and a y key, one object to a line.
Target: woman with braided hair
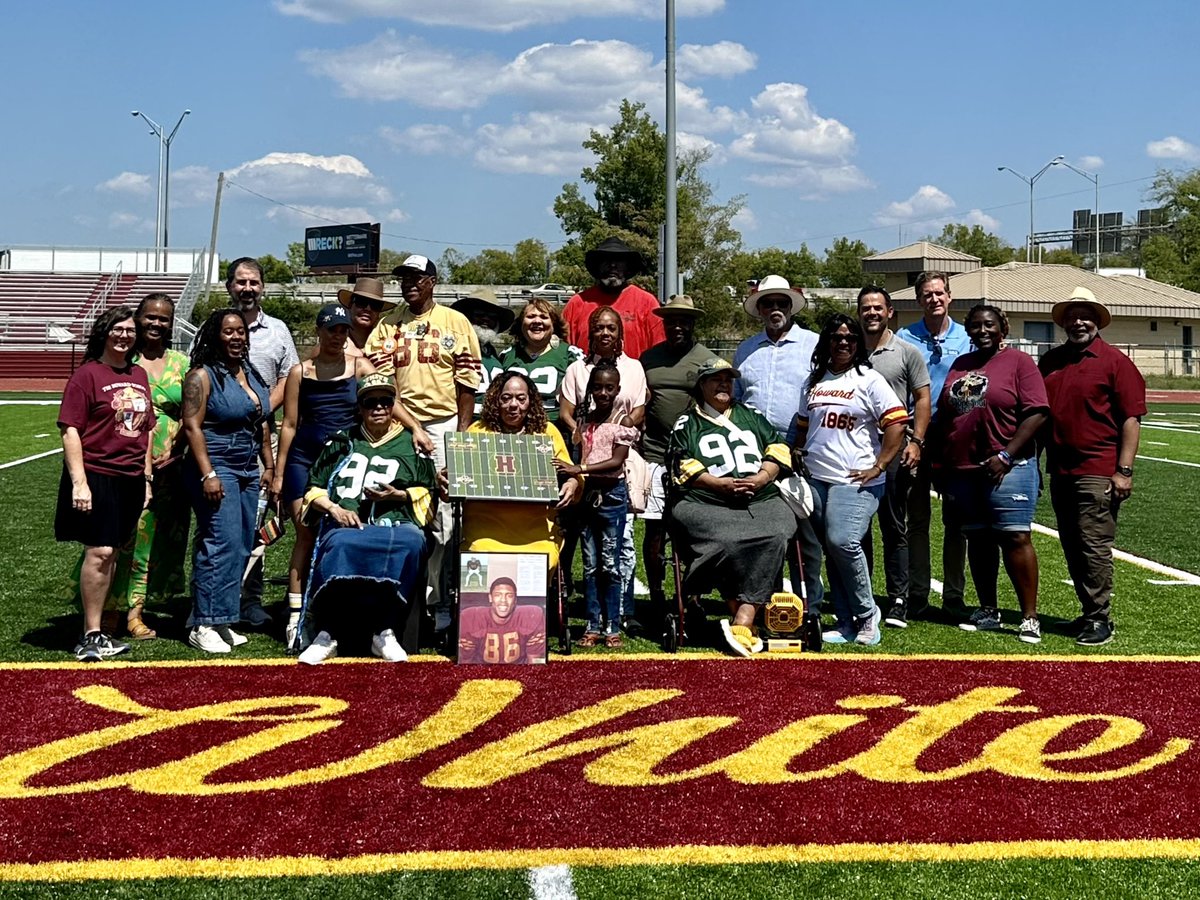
[{"x": 992, "y": 404}]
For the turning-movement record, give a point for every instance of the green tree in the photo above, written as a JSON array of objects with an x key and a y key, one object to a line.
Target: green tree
[
  {"x": 1174, "y": 256},
  {"x": 843, "y": 264},
  {"x": 800, "y": 267},
  {"x": 991, "y": 249},
  {"x": 629, "y": 200}
]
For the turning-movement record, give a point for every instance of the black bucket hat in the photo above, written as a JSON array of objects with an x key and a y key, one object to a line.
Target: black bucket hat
[{"x": 635, "y": 265}]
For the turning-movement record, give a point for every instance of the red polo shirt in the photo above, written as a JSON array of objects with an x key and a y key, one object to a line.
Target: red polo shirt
[
  {"x": 1092, "y": 392},
  {"x": 636, "y": 308}
]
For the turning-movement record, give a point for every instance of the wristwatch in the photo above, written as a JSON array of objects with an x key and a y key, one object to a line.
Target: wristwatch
[{"x": 1127, "y": 471}]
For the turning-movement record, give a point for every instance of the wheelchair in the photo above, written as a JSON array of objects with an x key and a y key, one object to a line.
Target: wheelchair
[{"x": 685, "y": 616}]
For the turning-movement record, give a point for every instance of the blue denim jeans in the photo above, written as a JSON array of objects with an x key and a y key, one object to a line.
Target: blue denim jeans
[
  {"x": 841, "y": 516},
  {"x": 603, "y": 576},
  {"x": 224, "y": 539}
]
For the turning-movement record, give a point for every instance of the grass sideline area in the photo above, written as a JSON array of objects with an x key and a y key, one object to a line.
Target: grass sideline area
[{"x": 40, "y": 624}]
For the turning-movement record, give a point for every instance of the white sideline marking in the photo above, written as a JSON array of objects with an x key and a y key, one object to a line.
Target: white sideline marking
[
  {"x": 551, "y": 883},
  {"x": 1180, "y": 576},
  {"x": 17, "y": 462},
  {"x": 1157, "y": 443},
  {"x": 1174, "y": 462},
  {"x": 30, "y": 402}
]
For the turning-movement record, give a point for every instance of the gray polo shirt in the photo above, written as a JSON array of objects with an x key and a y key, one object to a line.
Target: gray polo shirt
[{"x": 902, "y": 366}]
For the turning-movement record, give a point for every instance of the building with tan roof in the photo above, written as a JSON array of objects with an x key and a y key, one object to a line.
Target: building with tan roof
[
  {"x": 1154, "y": 323},
  {"x": 900, "y": 267}
]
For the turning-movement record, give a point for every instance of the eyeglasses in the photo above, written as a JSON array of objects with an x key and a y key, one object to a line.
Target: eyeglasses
[
  {"x": 781, "y": 303},
  {"x": 843, "y": 339},
  {"x": 413, "y": 279},
  {"x": 367, "y": 303},
  {"x": 123, "y": 331},
  {"x": 376, "y": 401}
]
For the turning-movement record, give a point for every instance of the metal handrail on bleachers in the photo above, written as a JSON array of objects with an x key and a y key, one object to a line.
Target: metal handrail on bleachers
[{"x": 101, "y": 301}]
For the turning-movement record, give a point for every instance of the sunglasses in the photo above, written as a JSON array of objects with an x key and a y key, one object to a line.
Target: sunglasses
[
  {"x": 843, "y": 339},
  {"x": 775, "y": 304},
  {"x": 366, "y": 302},
  {"x": 376, "y": 402}
]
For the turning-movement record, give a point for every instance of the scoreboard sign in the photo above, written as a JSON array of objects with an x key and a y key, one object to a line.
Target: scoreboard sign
[
  {"x": 483, "y": 466},
  {"x": 342, "y": 247}
]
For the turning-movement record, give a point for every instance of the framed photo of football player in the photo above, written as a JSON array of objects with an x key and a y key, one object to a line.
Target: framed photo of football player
[{"x": 502, "y": 608}]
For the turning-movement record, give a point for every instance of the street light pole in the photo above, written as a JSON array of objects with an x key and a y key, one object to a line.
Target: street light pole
[
  {"x": 1095, "y": 179},
  {"x": 1031, "y": 182},
  {"x": 162, "y": 213},
  {"x": 670, "y": 218}
]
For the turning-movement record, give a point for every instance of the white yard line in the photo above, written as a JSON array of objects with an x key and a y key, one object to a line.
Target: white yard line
[
  {"x": 551, "y": 883},
  {"x": 30, "y": 402},
  {"x": 17, "y": 462},
  {"x": 1173, "y": 427},
  {"x": 1179, "y": 576},
  {"x": 1156, "y": 443},
  {"x": 1174, "y": 462}
]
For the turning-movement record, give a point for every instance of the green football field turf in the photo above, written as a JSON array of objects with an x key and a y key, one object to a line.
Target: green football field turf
[{"x": 40, "y": 623}]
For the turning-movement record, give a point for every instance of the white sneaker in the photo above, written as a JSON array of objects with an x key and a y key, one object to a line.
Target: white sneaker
[
  {"x": 208, "y": 639},
  {"x": 385, "y": 646},
  {"x": 231, "y": 637},
  {"x": 322, "y": 648}
]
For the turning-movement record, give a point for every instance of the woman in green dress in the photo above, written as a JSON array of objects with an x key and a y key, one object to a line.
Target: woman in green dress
[{"x": 153, "y": 565}]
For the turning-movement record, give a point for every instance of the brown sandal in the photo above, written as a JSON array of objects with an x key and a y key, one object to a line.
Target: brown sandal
[
  {"x": 614, "y": 642},
  {"x": 591, "y": 639},
  {"x": 139, "y": 630}
]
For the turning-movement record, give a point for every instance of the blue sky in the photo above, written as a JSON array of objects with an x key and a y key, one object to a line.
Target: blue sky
[{"x": 456, "y": 122}]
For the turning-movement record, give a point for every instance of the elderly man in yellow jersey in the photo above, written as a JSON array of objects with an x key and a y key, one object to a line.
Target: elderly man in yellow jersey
[{"x": 426, "y": 346}]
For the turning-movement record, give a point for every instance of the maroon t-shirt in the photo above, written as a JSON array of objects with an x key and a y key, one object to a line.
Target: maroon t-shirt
[
  {"x": 112, "y": 411},
  {"x": 643, "y": 329},
  {"x": 983, "y": 402},
  {"x": 1092, "y": 391}
]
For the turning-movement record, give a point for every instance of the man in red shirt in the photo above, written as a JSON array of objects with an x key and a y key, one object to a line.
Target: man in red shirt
[
  {"x": 1097, "y": 398},
  {"x": 612, "y": 264}
]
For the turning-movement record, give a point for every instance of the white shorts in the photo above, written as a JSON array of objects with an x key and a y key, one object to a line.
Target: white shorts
[{"x": 657, "y": 501}]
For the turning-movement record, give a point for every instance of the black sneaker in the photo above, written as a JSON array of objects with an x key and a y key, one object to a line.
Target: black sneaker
[
  {"x": 632, "y": 626},
  {"x": 897, "y": 615},
  {"x": 108, "y": 645},
  {"x": 1096, "y": 634},
  {"x": 255, "y": 616},
  {"x": 87, "y": 650}
]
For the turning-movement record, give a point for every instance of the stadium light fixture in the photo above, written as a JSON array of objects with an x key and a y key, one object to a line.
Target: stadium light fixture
[{"x": 162, "y": 212}]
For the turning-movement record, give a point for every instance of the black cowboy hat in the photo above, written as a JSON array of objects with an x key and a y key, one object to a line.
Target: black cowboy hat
[{"x": 635, "y": 265}]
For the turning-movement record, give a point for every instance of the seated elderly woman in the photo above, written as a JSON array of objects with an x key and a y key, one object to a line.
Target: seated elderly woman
[
  {"x": 730, "y": 525},
  {"x": 512, "y": 406},
  {"x": 374, "y": 494}
]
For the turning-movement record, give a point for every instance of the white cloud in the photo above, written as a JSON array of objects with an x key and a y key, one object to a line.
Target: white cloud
[
  {"x": 127, "y": 221},
  {"x": 789, "y": 131},
  {"x": 812, "y": 181},
  {"x": 982, "y": 219},
  {"x": 565, "y": 75},
  {"x": 427, "y": 140},
  {"x": 931, "y": 206},
  {"x": 744, "y": 219},
  {"x": 723, "y": 59},
  {"x": 394, "y": 68},
  {"x": 1090, "y": 163},
  {"x": 127, "y": 183},
  {"x": 1173, "y": 147},
  {"x": 487, "y": 15},
  {"x": 539, "y": 143},
  {"x": 304, "y": 177},
  {"x": 926, "y": 203},
  {"x": 686, "y": 142}
]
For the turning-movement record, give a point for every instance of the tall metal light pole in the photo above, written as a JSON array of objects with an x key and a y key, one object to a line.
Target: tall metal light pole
[
  {"x": 162, "y": 213},
  {"x": 670, "y": 224},
  {"x": 1031, "y": 182},
  {"x": 1095, "y": 179}
]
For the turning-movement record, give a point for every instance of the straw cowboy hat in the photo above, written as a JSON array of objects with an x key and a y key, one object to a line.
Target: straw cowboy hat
[
  {"x": 775, "y": 284},
  {"x": 680, "y": 304},
  {"x": 1086, "y": 297}
]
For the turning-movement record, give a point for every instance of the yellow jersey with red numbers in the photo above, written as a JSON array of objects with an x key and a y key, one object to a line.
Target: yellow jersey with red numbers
[{"x": 419, "y": 352}]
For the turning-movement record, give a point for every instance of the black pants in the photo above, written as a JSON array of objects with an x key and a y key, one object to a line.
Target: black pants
[{"x": 1086, "y": 512}]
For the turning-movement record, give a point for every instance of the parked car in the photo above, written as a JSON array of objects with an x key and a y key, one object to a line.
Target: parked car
[{"x": 550, "y": 287}]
